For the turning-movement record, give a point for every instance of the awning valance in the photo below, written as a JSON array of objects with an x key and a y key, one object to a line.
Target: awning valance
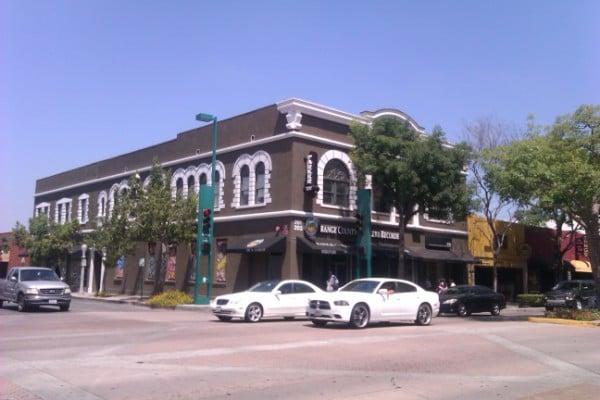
[
  {"x": 324, "y": 246},
  {"x": 258, "y": 244},
  {"x": 581, "y": 266},
  {"x": 439, "y": 255}
]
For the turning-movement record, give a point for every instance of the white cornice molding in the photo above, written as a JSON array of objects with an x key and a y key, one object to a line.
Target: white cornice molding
[{"x": 258, "y": 142}]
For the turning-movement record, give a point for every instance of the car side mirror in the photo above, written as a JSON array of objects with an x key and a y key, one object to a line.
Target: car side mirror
[
  {"x": 13, "y": 278},
  {"x": 277, "y": 292}
]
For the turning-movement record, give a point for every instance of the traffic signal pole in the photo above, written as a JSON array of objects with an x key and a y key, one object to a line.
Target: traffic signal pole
[{"x": 363, "y": 237}]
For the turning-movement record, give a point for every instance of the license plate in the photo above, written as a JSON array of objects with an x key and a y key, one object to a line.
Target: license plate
[{"x": 52, "y": 301}]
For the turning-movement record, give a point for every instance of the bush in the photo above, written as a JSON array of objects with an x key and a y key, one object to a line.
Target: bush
[
  {"x": 103, "y": 294},
  {"x": 169, "y": 299},
  {"x": 578, "y": 315},
  {"x": 530, "y": 300}
]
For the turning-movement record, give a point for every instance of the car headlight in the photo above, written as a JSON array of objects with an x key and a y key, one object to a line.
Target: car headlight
[
  {"x": 235, "y": 301},
  {"x": 450, "y": 301},
  {"x": 568, "y": 298},
  {"x": 31, "y": 291},
  {"x": 67, "y": 291},
  {"x": 341, "y": 303}
]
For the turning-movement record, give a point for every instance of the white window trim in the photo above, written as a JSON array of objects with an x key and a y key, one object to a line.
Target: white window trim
[
  {"x": 251, "y": 161},
  {"x": 63, "y": 217},
  {"x": 39, "y": 209},
  {"x": 343, "y": 157},
  {"x": 80, "y": 213},
  {"x": 102, "y": 196},
  {"x": 115, "y": 188},
  {"x": 196, "y": 172},
  {"x": 177, "y": 175}
]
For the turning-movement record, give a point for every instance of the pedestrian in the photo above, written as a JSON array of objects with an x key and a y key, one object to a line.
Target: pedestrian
[
  {"x": 442, "y": 287},
  {"x": 332, "y": 282}
]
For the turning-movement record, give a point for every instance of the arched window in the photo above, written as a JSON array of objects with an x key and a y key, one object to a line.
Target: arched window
[
  {"x": 102, "y": 206},
  {"x": 336, "y": 183},
  {"x": 179, "y": 187},
  {"x": 259, "y": 188},
  {"x": 203, "y": 179},
  {"x": 191, "y": 183},
  {"x": 245, "y": 186},
  {"x": 217, "y": 189}
]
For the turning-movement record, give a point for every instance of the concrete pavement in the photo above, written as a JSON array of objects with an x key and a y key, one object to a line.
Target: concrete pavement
[{"x": 119, "y": 351}]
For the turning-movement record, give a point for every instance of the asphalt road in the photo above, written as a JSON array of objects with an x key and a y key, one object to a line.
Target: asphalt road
[{"x": 116, "y": 351}]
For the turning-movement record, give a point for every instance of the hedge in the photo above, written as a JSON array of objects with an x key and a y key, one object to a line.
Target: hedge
[
  {"x": 530, "y": 300},
  {"x": 169, "y": 299},
  {"x": 578, "y": 315}
]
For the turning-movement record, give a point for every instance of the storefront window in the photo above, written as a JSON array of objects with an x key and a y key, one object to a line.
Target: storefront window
[
  {"x": 336, "y": 184},
  {"x": 245, "y": 186},
  {"x": 260, "y": 184}
]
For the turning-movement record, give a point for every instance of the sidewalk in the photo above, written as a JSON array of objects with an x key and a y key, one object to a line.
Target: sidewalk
[{"x": 135, "y": 300}]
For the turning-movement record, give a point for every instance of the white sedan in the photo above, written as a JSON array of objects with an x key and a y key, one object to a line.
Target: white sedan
[
  {"x": 374, "y": 300},
  {"x": 268, "y": 299}
]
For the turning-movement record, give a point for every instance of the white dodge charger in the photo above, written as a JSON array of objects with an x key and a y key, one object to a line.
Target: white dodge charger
[
  {"x": 266, "y": 299},
  {"x": 374, "y": 300}
]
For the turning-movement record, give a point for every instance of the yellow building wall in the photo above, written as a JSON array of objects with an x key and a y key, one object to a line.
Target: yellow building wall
[{"x": 514, "y": 253}]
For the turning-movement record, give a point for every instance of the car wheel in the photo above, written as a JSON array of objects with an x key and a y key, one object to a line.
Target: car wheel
[
  {"x": 495, "y": 311},
  {"x": 578, "y": 304},
  {"x": 359, "y": 318},
  {"x": 318, "y": 322},
  {"x": 462, "y": 311},
  {"x": 254, "y": 313},
  {"x": 424, "y": 314},
  {"x": 224, "y": 319},
  {"x": 65, "y": 307},
  {"x": 21, "y": 303}
]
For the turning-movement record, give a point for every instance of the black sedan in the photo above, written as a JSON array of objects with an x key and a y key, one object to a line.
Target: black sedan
[{"x": 464, "y": 300}]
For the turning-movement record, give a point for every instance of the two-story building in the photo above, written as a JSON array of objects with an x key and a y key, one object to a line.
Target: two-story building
[{"x": 285, "y": 199}]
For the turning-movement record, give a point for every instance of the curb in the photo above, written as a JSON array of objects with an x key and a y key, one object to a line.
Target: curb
[{"x": 561, "y": 321}]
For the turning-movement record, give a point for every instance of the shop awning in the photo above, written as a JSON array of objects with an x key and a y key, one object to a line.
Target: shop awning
[
  {"x": 324, "y": 246},
  {"x": 258, "y": 244},
  {"x": 439, "y": 255},
  {"x": 581, "y": 266}
]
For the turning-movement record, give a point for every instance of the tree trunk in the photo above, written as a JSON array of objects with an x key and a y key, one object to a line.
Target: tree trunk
[
  {"x": 401, "y": 246},
  {"x": 495, "y": 272},
  {"x": 593, "y": 238},
  {"x": 188, "y": 273},
  {"x": 159, "y": 275}
]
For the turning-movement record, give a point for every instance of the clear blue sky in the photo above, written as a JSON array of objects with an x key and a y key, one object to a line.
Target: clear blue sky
[{"x": 84, "y": 80}]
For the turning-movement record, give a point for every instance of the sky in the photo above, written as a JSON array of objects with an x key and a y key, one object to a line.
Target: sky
[{"x": 81, "y": 81}]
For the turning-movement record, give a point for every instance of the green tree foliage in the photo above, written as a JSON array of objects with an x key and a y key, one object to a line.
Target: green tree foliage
[
  {"x": 559, "y": 170},
  {"x": 47, "y": 243},
  {"x": 418, "y": 172}
]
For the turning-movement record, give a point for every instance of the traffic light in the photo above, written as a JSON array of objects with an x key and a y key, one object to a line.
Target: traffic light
[
  {"x": 359, "y": 221},
  {"x": 206, "y": 221}
]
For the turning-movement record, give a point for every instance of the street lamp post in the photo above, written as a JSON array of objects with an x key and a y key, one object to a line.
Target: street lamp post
[{"x": 206, "y": 203}]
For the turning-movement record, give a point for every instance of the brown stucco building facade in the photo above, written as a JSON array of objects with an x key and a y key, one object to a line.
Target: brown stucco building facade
[{"x": 263, "y": 206}]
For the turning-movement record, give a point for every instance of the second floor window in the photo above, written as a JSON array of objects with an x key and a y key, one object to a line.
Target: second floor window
[
  {"x": 336, "y": 184},
  {"x": 216, "y": 190},
  {"x": 259, "y": 196},
  {"x": 245, "y": 186}
]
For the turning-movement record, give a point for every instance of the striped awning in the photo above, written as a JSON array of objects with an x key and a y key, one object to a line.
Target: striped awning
[{"x": 581, "y": 266}]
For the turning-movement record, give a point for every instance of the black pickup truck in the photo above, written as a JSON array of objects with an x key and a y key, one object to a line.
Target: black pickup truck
[{"x": 573, "y": 294}]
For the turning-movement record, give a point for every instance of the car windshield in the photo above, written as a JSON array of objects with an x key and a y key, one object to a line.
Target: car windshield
[
  {"x": 566, "y": 285},
  {"x": 38, "y": 275},
  {"x": 265, "y": 286},
  {"x": 360, "y": 286}
]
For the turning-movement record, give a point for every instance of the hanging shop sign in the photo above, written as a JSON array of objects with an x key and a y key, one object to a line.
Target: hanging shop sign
[
  {"x": 310, "y": 175},
  {"x": 311, "y": 227}
]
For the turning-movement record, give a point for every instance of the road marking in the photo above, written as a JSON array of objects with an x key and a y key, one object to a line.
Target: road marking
[{"x": 542, "y": 358}]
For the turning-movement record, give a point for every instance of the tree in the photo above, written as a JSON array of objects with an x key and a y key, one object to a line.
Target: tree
[
  {"x": 484, "y": 136},
  {"x": 561, "y": 168},
  {"x": 47, "y": 243},
  {"x": 418, "y": 172},
  {"x": 158, "y": 217}
]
